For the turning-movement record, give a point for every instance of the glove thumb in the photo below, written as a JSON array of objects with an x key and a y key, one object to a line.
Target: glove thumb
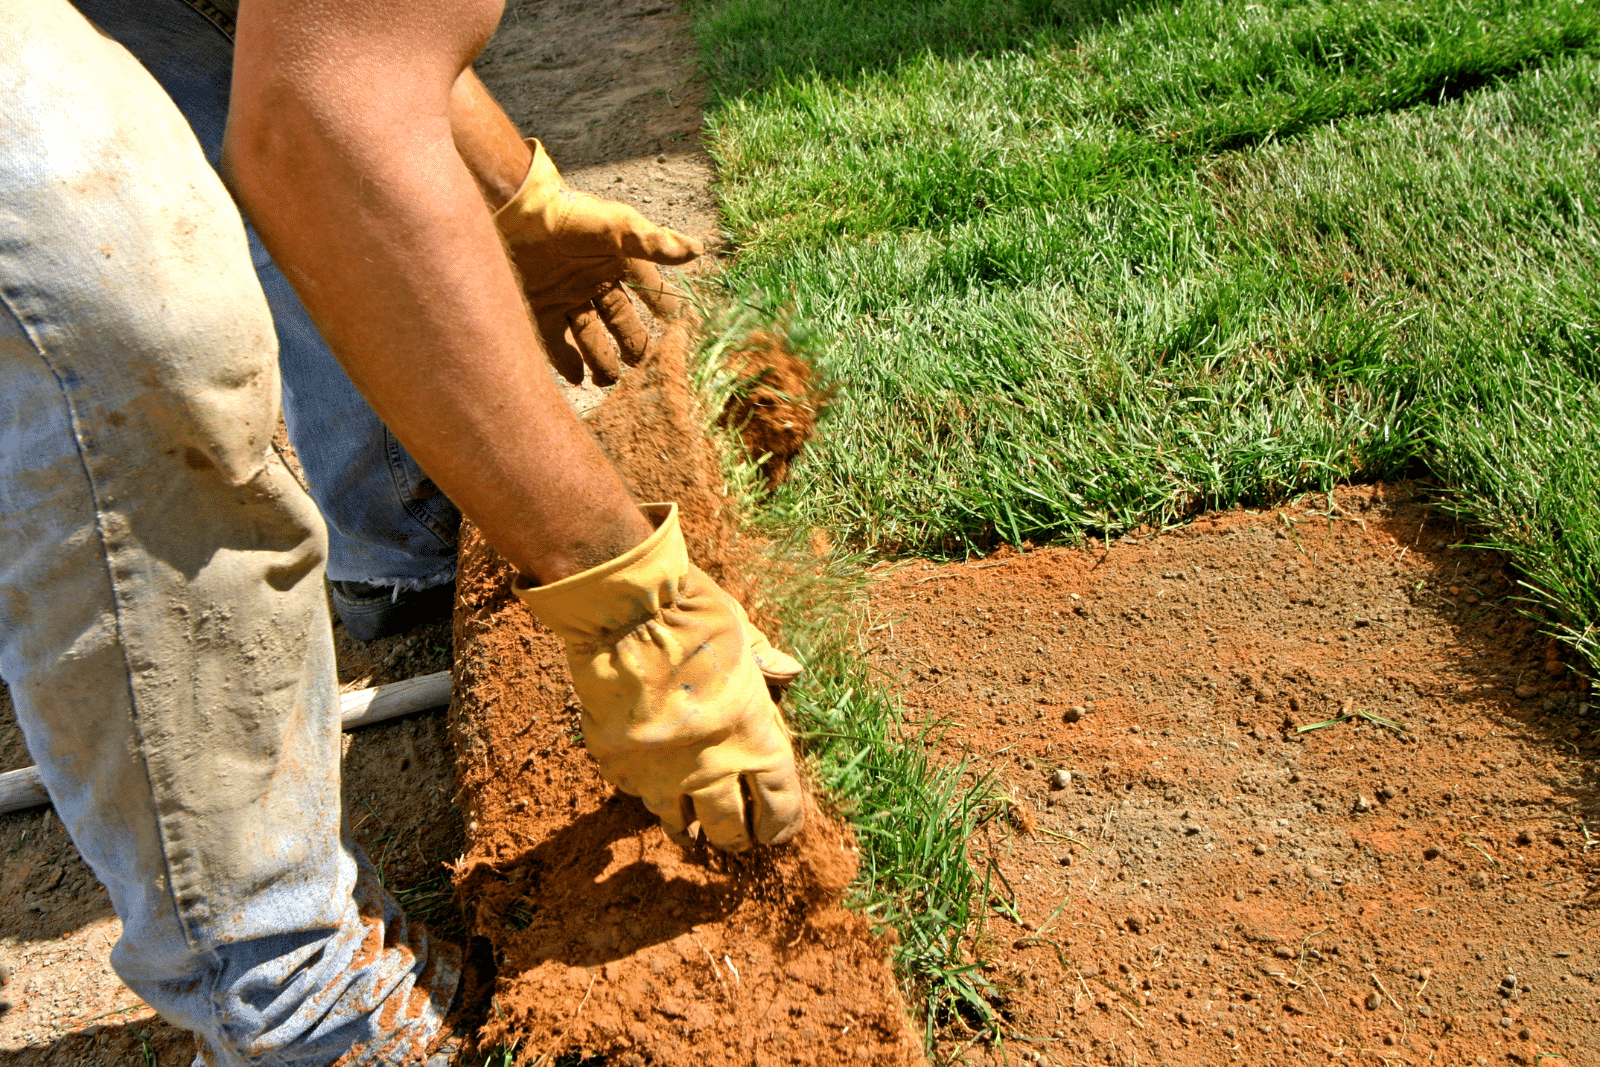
[{"x": 778, "y": 668}]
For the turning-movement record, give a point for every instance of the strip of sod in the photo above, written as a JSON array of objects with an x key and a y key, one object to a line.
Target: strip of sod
[
  {"x": 1061, "y": 298},
  {"x": 912, "y": 816}
]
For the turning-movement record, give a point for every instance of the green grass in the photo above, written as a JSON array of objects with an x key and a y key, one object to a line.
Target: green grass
[
  {"x": 1061, "y": 298},
  {"x": 936, "y": 142},
  {"x": 911, "y": 815},
  {"x": 755, "y": 44},
  {"x": 1083, "y": 267}
]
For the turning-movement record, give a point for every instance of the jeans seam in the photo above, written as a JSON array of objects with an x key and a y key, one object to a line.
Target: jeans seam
[
  {"x": 224, "y": 16},
  {"x": 396, "y": 458},
  {"x": 116, "y": 606}
]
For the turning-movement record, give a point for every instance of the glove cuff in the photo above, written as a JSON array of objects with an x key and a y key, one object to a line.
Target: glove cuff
[
  {"x": 538, "y": 209},
  {"x": 598, "y": 606}
]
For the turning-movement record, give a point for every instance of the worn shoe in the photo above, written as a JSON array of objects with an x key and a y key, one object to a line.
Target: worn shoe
[
  {"x": 373, "y": 611},
  {"x": 444, "y": 1054}
]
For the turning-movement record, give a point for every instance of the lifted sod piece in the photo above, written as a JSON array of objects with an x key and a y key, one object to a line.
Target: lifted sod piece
[{"x": 610, "y": 938}]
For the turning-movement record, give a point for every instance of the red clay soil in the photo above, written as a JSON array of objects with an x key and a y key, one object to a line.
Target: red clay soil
[
  {"x": 1187, "y": 879},
  {"x": 775, "y": 405},
  {"x": 610, "y": 938}
]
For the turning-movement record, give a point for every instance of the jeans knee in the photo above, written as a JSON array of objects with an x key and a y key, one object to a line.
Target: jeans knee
[{"x": 123, "y": 255}]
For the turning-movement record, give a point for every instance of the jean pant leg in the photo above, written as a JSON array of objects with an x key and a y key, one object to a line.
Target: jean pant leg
[
  {"x": 388, "y": 524},
  {"x": 163, "y": 625}
]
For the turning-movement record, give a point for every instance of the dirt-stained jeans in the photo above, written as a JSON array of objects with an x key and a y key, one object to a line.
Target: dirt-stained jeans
[
  {"x": 388, "y": 524},
  {"x": 163, "y": 625}
]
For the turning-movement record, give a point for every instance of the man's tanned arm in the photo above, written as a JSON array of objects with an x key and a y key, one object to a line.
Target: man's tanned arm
[
  {"x": 340, "y": 149},
  {"x": 489, "y": 142}
]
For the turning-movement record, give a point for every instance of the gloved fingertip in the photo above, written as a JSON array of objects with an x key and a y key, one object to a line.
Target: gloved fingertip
[
  {"x": 779, "y": 806},
  {"x": 676, "y": 814},
  {"x": 787, "y": 833},
  {"x": 778, "y": 668},
  {"x": 572, "y": 372},
  {"x": 721, "y": 811},
  {"x": 735, "y": 845},
  {"x": 565, "y": 358},
  {"x": 635, "y": 355},
  {"x": 687, "y": 252},
  {"x": 668, "y": 247},
  {"x": 633, "y": 340},
  {"x": 595, "y": 343},
  {"x": 662, "y": 305}
]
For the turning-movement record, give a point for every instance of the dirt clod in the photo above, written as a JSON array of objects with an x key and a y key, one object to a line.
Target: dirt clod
[{"x": 775, "y": 403}]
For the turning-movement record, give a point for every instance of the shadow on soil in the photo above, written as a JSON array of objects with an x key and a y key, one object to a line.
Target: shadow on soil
[
  {"x": 527, "y": 892},
  {"x": 757, "y": 46},
  {"x": 151, "y": 1043},
  {"x": 1532, "y": 679}
]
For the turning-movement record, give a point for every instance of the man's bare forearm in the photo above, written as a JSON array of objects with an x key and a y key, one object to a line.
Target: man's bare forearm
[
  {"x": 488, "y": 141},
  {"x": 341, "y": 149}
]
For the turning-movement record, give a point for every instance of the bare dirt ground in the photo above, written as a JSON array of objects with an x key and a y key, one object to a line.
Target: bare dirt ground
[
  {"x": 1187, "y": 878},
  {"x": 1204, "y": 884}
]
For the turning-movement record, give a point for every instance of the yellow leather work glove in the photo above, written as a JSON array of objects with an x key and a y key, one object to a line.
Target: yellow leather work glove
[
  {"x": 675, "y": 705},
  {"x": 574, "y": 253},
  {"x": 778, "y": 668}
]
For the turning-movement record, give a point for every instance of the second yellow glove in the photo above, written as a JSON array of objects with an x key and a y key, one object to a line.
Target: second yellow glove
[{"x": 574, "y": 253}]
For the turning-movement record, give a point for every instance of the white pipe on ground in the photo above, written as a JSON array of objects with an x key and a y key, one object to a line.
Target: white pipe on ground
[{"x": 24, "y": 789}]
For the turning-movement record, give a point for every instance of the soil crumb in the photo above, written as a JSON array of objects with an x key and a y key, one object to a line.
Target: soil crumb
[
  {"x": 1232, "y": 859},
  {"x": 610, "y": 938},
  {"x": 774, "y": 406}
]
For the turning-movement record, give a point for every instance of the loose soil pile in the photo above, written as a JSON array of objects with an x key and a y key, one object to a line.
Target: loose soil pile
[
  {"x": 1187, "y": 878},
  {"x": 608, "y": 936}
]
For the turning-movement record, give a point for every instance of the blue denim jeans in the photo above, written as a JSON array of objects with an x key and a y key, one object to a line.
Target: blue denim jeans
[
  {"x": 163, "y": 624},
  {"x": 388, "y": 524}
]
